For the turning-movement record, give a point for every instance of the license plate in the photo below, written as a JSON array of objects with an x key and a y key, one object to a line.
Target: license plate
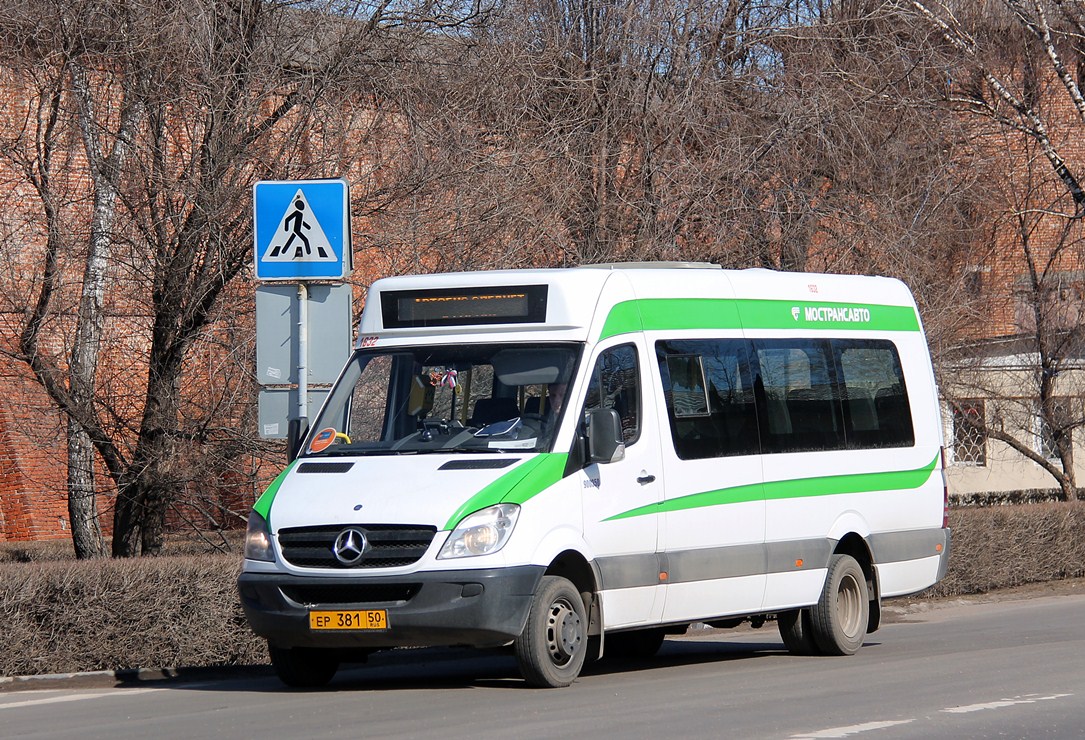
[{"x": 349, "y": 619}]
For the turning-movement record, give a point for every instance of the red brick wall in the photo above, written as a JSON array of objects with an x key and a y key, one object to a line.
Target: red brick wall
[
  {"x": 33, "y": 498},
  {"x": 1019, "y": 179}
]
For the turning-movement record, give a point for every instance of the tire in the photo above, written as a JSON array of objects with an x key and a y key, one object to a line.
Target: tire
[
  {"x": 635, "y": 645},
  {"x": 840, "y": 617},
  {"x": 797, "y": 630},
  {"x": 303, "y": 668},
  {"x": 554, "y": 642}
]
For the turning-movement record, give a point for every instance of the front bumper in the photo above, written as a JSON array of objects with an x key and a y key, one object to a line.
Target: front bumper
[{"x": 479, "y": 608}]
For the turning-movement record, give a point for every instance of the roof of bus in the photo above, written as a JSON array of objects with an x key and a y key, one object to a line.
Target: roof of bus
[{"x": 574, "y": 294}]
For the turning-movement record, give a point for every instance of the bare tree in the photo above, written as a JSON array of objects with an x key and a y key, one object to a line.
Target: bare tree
[
  {"x": 179, "y": 110},
  {"x": 1017, "y": 68},
  {"x": 785, "y": 135}
]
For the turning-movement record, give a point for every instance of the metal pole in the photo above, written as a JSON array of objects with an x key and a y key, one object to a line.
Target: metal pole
[{"x": 303, "y": 351}]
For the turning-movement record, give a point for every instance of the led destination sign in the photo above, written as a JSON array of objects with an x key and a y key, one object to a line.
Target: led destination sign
[{"x": 512, "y": 304}]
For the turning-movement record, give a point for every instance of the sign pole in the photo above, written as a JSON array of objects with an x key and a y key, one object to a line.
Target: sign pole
[
  {"x": 301, "y": 233},
  {"x": 303, "y": 350}
]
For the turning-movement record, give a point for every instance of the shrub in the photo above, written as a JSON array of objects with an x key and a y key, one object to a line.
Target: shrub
[
  {"x": 65, "y": 616},
  {"x": 1007, "y": 546},
  {"x": 62, "y": 615}
]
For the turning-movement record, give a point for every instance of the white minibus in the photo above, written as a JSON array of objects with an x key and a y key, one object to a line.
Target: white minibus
[{"x": 578, "y": 462}]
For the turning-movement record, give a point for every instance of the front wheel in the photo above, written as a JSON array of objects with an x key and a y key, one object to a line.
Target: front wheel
[
  {"x": 554, "y": 642},
  {"x": 303, "y": 668},
  {"x": 839, "y": 619}
]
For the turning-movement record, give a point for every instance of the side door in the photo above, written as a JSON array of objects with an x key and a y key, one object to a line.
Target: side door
[
  {"x": 715, "y": 507},
  {"x": 620, "y": 499}
]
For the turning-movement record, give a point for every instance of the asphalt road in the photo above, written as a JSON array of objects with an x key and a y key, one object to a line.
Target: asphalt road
[{"x": 1013, "y": 669}]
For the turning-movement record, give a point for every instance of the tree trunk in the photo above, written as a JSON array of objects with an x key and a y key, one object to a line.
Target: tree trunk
[
  {"x": 153, "y": 526},
  {"x": 82, "y": 501},
  {"x": 140, "y": 515},
  {"x": 139, "y": 518},
  {"x": 1069, "y": 490},
  {"x": 83, "y": 367},
  {"x": 126, "y": 518}
]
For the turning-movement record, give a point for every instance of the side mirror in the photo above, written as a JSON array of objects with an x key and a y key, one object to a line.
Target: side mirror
[
  {"x": 296, "y": 430},
  {"x": 605, "y": 441}
]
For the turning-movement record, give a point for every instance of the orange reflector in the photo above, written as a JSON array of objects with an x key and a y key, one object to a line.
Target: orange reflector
[
  {"x": 798, "y": 563},
  {"x": 663, "y": 576},
  {"x": 938, "y": 548}
]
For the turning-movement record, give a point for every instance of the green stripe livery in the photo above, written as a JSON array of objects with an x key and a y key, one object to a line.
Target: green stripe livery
[
  {"x": 799, "y": 488},
  {"x": 263, "y": 504},
  {"x": 654, "y": 314},
  {"x": 516, "y": 486}
]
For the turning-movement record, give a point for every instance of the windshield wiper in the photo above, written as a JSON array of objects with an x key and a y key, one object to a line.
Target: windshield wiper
[{"x": 346, "y": 452}]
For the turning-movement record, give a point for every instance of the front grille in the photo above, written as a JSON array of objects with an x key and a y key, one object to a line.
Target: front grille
[
  {"x": 387, "y": 545},
  {"x": 350, "y": 594}
]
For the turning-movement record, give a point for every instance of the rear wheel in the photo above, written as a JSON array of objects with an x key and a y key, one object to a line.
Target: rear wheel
[
  {"x": 840, "y": 617},
  {"x": 303, "y": 667},
  {"x": 797, "y": 630},
  {"x": 554, "y": 642}
]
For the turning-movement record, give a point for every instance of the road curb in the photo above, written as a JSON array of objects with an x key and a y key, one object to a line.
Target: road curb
[{"x": 131, "y": 677}]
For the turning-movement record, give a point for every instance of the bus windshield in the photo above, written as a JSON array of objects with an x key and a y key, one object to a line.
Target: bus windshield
[{"x": 441, "y": 399}]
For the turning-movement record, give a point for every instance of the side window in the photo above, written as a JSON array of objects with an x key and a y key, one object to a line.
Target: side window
[
  {"x": 800, "y": 410},
  {"x": 615, "y": 384},
  {"x": 710, "y": 397},
  {"x": 875, "y": 400},
  {"x": 370, "y": 399}
]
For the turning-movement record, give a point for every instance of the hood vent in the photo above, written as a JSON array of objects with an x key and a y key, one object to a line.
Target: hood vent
[
  {"x": 493, "y": 464},
  {"x": 325, "y": 467}
]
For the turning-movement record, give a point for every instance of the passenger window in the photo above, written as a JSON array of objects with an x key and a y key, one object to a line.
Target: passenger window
[
  {"x": 615, "y": 384},
  {"x": 688, "y": 389},
  {"x": 709, "y": 396},
  {"x": 876, "y": 409},
  {"x": 800, "y": 410}
]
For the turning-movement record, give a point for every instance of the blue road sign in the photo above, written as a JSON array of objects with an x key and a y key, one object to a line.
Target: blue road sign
[{"x": 301, "y": 229}]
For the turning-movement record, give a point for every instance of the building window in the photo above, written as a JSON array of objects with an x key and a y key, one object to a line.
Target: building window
[
  {"x": 973, "y": 282},
  {"x": 1045, "y": 432},
  {"x": 969, "y": 433}
]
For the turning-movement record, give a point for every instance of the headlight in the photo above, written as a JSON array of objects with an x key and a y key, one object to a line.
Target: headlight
[
  {"x": 482, "y": 533},
  {"x": 258, "y": 539}
]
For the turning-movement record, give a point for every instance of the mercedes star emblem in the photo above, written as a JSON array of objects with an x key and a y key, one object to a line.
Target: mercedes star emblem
[{"x": 349, "y": 546}]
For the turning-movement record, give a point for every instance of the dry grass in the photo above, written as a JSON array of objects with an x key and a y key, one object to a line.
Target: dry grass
[
  {"x": 60, "y": 615},
  {"x": 65, "y": 616},
  {"x": 226, "y": 542},
  {"x": 1006, "y": 546}
]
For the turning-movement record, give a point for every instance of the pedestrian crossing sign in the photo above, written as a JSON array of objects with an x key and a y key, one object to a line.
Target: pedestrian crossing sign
[{"x": 301, "y": 229}]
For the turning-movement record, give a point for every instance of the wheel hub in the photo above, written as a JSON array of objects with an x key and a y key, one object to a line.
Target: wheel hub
[
  {"x": 563, "y": 634},
  {"x": 849, "y": 606}
]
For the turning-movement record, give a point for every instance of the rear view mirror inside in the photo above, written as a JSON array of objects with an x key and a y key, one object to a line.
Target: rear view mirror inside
[{"x": 420, "y": 402}]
